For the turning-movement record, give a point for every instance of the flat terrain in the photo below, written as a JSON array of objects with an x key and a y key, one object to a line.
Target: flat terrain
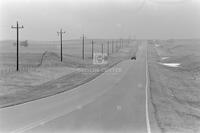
[
  {"x": 174, "y": 68},
  {"x": 112, "y": 102},
  {"x": 41, "y": 72}
]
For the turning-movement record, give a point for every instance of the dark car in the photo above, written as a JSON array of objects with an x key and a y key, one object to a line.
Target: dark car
[{"x": 133, "y": 58}]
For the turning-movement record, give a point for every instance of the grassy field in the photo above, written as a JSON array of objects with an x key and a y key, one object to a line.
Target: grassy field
[
  {"x": 41, "y": 72},
  {"x": 175, "y": 90}
]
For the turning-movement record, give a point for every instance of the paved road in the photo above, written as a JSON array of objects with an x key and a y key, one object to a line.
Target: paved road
[{"x": 113, "y": 102}]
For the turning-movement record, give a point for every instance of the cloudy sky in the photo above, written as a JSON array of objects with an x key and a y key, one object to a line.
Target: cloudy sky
[{"x": 161, "y": 19}]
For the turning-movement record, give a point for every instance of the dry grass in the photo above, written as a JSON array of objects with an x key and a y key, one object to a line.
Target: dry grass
[
  {"x": 47, "y": 76},
  {"x": 175, "y": 92}
]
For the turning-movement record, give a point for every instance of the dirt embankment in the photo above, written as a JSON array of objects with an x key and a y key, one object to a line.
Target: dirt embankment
[{"x": 175, "y": 91}]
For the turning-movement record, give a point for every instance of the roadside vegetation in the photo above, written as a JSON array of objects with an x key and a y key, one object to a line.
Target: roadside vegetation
[{"x": 175, "y": 90}]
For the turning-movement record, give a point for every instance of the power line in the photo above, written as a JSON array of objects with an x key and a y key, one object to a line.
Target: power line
[
  {"x": 61, "y": 51},
  {"x": 17, "y": 27}
]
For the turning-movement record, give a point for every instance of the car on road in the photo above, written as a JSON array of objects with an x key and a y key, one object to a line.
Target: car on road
[{"x": 133, "y": 58}]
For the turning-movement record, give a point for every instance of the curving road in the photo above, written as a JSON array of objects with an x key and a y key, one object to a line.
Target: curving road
[{"x": 116, "y": 101}]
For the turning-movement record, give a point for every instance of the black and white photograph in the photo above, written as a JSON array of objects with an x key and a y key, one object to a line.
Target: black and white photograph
[{"x": 99, "y": 66}]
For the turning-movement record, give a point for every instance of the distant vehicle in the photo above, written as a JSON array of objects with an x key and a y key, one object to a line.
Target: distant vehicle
[{"x": 133, "y": 58}]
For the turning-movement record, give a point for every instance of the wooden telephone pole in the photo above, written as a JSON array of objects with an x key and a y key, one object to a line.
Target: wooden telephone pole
[
  {"x": 92, "y": 49},
  {"x": 117, "y": 48},
  {"x": 102, "y": 48},
  {"x": 61, "y": 51},
  {"x": 17, "y": 27},
  {"x": 83, "y": 47},
  {"x": 108, "y": 48},
  {"x": 112, "y": 46}
]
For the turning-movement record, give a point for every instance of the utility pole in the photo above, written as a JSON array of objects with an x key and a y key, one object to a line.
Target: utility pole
[
  {"x": 92, "y": 49},
  {"x": 128, "y": 41},
  {"x": 108, "y": 48},
  {"x": 116, "y": 46},
  {"x": 119, "y": 44},
  {"x": 61, "y": 33},
  {"x": 102, "y": 48},
  {"x": 112, "y": 47},
  {"x": 83, "y": 47},
  {"x": 122, "y": 43},
  {"x": 17, "y": 27}
]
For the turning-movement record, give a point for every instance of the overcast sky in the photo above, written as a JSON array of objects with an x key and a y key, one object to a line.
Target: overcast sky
[{"x": 41, "y": 19}]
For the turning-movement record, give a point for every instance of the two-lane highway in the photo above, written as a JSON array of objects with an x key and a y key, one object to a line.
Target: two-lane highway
[{"x": 113, "y": 102}]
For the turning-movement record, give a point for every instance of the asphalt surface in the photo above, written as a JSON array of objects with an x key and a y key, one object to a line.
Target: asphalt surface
[{"x": 113, "y": 102}]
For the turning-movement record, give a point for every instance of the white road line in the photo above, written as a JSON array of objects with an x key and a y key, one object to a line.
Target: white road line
[{"x": 147, "y": 106}]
